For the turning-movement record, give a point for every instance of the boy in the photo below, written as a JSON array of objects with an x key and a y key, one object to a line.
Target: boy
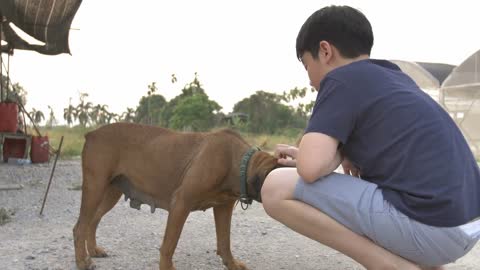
[{"x": 409, "y": 198}]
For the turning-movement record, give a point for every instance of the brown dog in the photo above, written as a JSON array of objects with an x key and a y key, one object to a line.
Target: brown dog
[{"x": 178, "y": 172}]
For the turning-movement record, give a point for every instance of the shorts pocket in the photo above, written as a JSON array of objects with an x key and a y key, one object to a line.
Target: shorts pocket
[{"x": 382, "y": 206}]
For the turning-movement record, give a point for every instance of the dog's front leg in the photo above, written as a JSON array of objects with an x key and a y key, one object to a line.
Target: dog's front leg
[
  {"x": 223, "y": 220},
  {"x": 177, "y": 215}
]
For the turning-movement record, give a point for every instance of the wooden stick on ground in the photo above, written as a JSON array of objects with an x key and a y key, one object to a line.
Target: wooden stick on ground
[
  {"x": 51, "y": 175},
  {"x": 11, "y": 187}
]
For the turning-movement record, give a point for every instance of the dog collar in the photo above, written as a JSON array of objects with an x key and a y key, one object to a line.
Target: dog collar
[{"x": 244, "y": 198}]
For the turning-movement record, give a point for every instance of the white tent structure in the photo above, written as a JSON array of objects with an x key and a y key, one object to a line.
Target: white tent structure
[
  {"x": 428, "y": 76},
  {"x": 420, "y": 75},
  {"x": 457, "y": 89},
  {"x": 460, "y": 95}
]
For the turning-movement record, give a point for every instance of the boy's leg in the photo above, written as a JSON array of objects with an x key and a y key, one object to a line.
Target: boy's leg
[{"x": 278, "y": 201}]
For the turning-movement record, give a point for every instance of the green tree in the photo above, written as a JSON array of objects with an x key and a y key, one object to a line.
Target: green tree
[
  {"x": 303, "y": 108},
  {"x": 194, "y": 113},
  {"x": 189, "y": 90},
  {"x": 267, "y": 114},
  {"x": 149, "y": 109}
]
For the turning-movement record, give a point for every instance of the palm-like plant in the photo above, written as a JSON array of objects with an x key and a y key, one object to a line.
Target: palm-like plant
[
  {"x": 95, "y": 113},
  {"x": 103, "y": 115},
  {"x": 82, "y": 110},
  {"x": 37, "y": 116},
  {"x": 128, "y": 116},
  {"x": 111, "y": 117},
  {"x": 32, "y": 113},
  {"x": 69, "y": 113},
  {"x": 51, "y": 118}
]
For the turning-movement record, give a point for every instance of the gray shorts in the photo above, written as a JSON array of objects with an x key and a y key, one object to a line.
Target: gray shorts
[{"x": 359, "y": 205}]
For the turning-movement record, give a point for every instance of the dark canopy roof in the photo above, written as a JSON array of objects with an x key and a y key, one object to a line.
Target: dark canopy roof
[
  {"x": 438, "y": 70},
  {"x": 47, "y": 21}
]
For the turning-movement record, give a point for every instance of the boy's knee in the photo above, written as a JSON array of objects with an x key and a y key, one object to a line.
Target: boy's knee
[
  {"x": 269, "y": 190},
  {"x": 275, "y": 189}
]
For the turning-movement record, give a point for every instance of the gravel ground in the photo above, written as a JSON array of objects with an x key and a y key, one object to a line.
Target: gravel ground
[{"x": 132, "y": 238}]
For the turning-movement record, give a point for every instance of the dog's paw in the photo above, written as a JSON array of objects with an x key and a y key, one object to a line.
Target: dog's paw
[
  {"x": 167, "y": 267},
  {"x": 237, "y": 265},
  {"x": 86, "y": 264},
  {"x": 98, "y": 252}
]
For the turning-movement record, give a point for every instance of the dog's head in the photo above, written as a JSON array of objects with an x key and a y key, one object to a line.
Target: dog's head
[{"x": 260, "y": 165}]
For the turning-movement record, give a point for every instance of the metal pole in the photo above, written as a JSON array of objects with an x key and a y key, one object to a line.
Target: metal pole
[
  {"x": 51, "y": 175},
  {"x": 8, "y": 69}
]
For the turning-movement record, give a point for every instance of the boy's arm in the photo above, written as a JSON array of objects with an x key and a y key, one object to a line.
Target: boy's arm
[{"x": 318, "y": 156}]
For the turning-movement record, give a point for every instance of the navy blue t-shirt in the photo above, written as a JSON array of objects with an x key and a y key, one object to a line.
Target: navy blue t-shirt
[{"x": 401, "y": 140}]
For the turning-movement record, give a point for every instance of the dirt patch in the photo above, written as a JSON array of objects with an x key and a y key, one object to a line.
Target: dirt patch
[
  {"x": 5, "y": 216},
  {"x": 133, "y": 237}
]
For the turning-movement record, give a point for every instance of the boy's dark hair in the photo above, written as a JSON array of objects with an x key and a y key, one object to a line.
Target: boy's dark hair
[{"x": 343, "y": 26}]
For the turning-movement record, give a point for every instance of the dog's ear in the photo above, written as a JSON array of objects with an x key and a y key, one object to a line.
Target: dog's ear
[
  {"x": 255, "y": 185},
  {"x": 262, "y": 164}
]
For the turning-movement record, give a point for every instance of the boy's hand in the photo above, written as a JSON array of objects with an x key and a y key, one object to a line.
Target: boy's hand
[
  {"x": 286, "y": 155},
  {"x": 349, "y": 168}
]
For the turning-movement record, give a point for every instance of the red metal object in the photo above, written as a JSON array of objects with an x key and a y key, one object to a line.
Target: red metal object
[
  {"x": 39, "y": 152},
  {"x": 8, "y": 117},
  {"x": 14, "y": 148}
]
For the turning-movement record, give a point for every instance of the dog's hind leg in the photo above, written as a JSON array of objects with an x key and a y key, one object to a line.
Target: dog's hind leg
[
  {"x": 223, "y": 220},
  {"x": 111, "y": 197},
  {"x": 177, "y": 216},
  {"x": 92, "y": 195}
]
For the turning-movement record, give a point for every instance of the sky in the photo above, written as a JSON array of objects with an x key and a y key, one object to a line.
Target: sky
[{"x": 236, "y": 47}]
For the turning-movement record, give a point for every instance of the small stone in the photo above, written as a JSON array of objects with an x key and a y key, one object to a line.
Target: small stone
[{"x": 30, "y": 257}]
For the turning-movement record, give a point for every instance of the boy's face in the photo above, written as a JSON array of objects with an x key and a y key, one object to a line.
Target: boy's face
[{"x": 315, "y": 67}]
